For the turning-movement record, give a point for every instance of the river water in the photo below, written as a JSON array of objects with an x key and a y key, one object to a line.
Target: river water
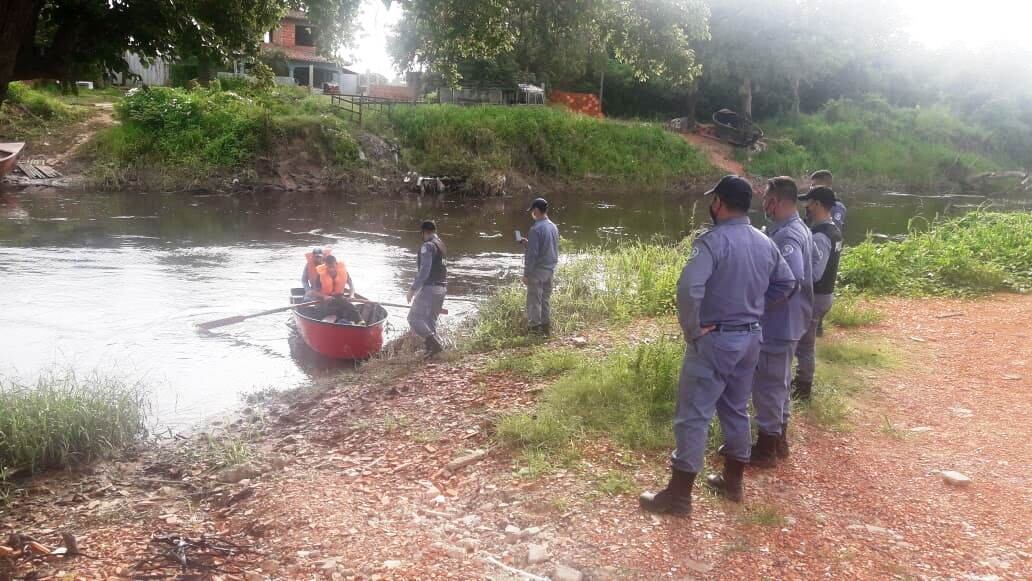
[{"x": 115, "y": 283}]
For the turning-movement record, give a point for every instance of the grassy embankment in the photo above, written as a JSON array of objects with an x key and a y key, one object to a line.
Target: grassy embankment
[
  {"x": 871, "y": 143},
  {"x": 539, "y": 141},
  {"x": 30, "y": 115},
  {"x": 64, "y": 420},
  {"x": 627, "y": 395},
  {"x": 175, "y": 136},
  {"x": 179, "y": 135}
]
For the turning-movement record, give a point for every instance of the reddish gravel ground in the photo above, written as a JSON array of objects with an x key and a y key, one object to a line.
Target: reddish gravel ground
[{"x": 361, "y": 486}]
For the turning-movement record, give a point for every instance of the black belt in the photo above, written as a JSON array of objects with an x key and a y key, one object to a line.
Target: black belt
[{"x": 719, "y": 328}]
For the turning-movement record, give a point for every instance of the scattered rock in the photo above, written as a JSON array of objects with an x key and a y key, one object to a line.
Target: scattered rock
[
  {"x": 329, "y": 565},
  {"x": 955, "y": 478},
  {"x": 532, "y": 532},
  {"x": 564, "y": 573},
  {"x": 579, "y": 341},
  {"x": 253, "y": 576},
  {"x": 1011, "y": 377},
  {"x": 234, "y": 474},
  {"x": 698, "y": 566},
  {"x": 455, "y": 552},
  {"x": 537, "y": 553},
  {"x": 962, "y": 412},
  {"x": 470, "y": 520},
  {"x": 470, "y": 545},
  {"x": 463, "y": 461},
  {"x": 392, "y": 564},
  {"x": 512, "y": 534},
  {"x": 920, "y": 429}
]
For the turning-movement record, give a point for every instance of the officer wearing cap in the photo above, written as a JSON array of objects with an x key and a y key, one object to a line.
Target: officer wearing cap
[
  {"x": 539, "y": 262},
  {"x": 733, "y": 270},
  {"x": 428, "y": 290},
  {"x": 823, "y": 177},
  {"x": 783, "y": 324},
  {"x": 827, "y": 239}
]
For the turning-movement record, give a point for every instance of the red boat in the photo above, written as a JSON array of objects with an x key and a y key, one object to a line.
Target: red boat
[{"x": 342, "y": 341}]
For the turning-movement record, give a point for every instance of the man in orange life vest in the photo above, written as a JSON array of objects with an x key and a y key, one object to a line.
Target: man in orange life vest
[{"x": 335, "y": 288}]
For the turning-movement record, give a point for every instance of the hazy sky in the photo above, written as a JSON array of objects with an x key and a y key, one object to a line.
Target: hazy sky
[{"x": 933, "y": 22}]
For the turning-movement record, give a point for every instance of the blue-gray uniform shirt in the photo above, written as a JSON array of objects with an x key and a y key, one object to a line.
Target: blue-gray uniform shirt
[
  {"x": 542, "y": 247},
  {"x": 789, "y": 320},
  {"x": 428, "y": 251},
  {"x": 733, "y": 272},
  {"x": 838, "y": 215}
]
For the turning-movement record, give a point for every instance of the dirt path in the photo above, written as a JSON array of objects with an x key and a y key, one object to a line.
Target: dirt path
[
  {"x": 357, "y": 482},
  {"x": 721, "y": 155},
  {"x": 60, "y": 148}
]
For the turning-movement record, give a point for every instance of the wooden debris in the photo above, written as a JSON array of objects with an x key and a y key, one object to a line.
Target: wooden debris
[
  {"x": 463, "y": 461},
  {"x": 949, "y": 315},
  {"x": 38, "y": 170}
]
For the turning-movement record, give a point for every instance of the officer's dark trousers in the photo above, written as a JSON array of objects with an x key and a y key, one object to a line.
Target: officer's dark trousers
[
  {"x": 717, "y": 375},
  {"x": 770, "y": 392},
  {"x": 539, "y": 297},
  {"x": 426, "y": 307}
]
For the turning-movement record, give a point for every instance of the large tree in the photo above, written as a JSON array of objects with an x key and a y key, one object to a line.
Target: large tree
[
  {"x": 551, "y": 40},
  {"x": 63, "y": 39}
]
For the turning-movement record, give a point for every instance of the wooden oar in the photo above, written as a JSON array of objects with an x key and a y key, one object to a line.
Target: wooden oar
[
  {"x": 239, "y": 318},
  {"x": 400, "y": 306}
]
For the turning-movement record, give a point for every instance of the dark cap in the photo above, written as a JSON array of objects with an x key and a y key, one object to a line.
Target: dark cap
[
  {"x": 540, "y": 204},
  {"x": 822, "y": 194},
  {"x": 734, "y": 190},
  {"x": 428, "y": 226},
  {"x": 317, "y": 251}
]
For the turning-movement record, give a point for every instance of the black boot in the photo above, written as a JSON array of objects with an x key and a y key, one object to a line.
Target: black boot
[
  {"x": 675, "y": 499},
  {"x": 433, "y": 346},
  {"x": 801, "y": 390},
  {"x": 546, "y": 330},
  {"x": 728, "y": 484},
  {"x": 764, "y": 452},
  {"x": 782, "y": 445}
]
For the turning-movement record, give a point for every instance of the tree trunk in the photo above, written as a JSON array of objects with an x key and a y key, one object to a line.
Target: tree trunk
[
  {"x": 691, "y": 102},
  {"x": 18, "y": 16},
  {"x": 795, "y": 95},
  {"x": 746, "y": 97}
]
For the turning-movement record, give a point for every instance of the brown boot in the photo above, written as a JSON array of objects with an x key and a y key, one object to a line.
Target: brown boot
[
  {"x": 764, "y": 452},
  {"x": 728, "y": 484},
  {"x": 782, "y": 445},
  {"x": 676, "y": 499}
]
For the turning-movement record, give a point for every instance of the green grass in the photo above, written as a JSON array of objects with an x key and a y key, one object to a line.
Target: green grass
[
  {"x": 842, "y": 366},
  {"x": 65, "y": 420},
  {"x": 614, "y": 484},
  {"x": 189, "y": 133},
  {"x": 466, "y": 141},
  {"x": 599, "y": 286},
  {"x": 849, "y": 312},
  {"x": 873, "y": 142},
  {"x": 764, "y": 515},
  {"x": 538, "y": 362},
  {"x": 978, "y": 253},
  {"x": 29, "y": 114}
]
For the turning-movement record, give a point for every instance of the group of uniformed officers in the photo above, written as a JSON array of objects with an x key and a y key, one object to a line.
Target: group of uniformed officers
[{"x": 747, "y": 303}]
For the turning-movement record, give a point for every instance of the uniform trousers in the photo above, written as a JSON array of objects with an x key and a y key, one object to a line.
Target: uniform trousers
[
  {"x": 770, "y": 390},
  {"x": 426, "y": 307},
  {"x": 539, "y": 297},
  {"x": 717, "y": 375},
  {"x": 806, "y": 356}
]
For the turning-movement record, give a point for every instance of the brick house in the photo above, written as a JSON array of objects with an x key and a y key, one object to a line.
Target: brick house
[{"x": 295, "y": 38}]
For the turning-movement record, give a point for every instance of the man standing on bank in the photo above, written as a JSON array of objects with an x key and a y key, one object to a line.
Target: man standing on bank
[
  {"x": 824, "y": 178},
  {"x": 827, "y": 239},
  {"x": 783, "y": 324},
  {"x": 539, "y": 262},
  {"x": 733, "y": 270},
  {"x": 429, "y": 288}
]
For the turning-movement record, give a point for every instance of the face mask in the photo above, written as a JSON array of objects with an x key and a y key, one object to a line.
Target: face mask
[
  {"x": 768, "y": 211},
  {"x": 713, "y": 213},
  {"x": 809, "y": 215}
]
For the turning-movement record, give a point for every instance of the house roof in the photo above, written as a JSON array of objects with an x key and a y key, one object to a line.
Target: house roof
[{"x": 296, "y": 15}]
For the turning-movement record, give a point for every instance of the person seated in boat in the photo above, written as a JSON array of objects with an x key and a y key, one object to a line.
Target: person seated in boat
[
  {"x": 336, "y": 288},
  {"x": 309, "y": 276}
]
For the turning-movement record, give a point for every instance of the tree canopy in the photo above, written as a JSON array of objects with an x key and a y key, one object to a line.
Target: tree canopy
[{"x": 70, "y": 39}]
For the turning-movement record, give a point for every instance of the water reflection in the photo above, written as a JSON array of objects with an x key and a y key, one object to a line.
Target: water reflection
[{"x": 117, "y": 282}]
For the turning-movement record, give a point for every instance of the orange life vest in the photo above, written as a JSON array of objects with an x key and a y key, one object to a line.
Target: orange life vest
[
  {"x": 313, "y": 275},
  {"x": 332, "y": 286}
]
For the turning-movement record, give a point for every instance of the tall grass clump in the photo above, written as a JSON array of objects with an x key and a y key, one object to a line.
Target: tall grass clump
[
  {"x": 599, "y": 285},
  {"x": 978, "y": 253},
  {"x": 873, "y": 141},
  {"x": 629, "y": 396},
  {"x": 452, "y": 140},
  {"x": 64, "y": 420}
]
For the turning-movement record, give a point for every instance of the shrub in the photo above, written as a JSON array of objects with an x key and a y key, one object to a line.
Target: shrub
[{"x": 64, "y": 419}]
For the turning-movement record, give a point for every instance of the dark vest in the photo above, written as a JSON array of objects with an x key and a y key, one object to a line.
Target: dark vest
[
  {"x": 826, "y": 285},
  {"x": 439, "y": 267}
]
